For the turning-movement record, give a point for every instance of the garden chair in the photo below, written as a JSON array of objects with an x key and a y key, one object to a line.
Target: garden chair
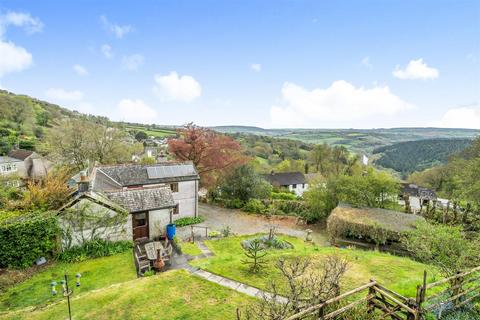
[{"x": 143, "y": 265}]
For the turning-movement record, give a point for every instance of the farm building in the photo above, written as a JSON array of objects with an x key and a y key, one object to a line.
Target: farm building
[{"x": 369, "y": 225}]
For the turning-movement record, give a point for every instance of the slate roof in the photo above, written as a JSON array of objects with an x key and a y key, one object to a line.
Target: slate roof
[
  {"x": 285, "y": 178},
  {"x": 137, "y": 175},
  {"x": 416, "y": 191},
  {"x": 136, "y": 200},
  {"x": 20, "y": 154},
  {"x": 7, "y": 159}
]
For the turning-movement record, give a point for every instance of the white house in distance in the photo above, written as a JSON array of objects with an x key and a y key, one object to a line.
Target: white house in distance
[
  {"x": 154, "y": 195},
  {"x": 24, "y": 165},
  {"x": 293, "y": 181}
]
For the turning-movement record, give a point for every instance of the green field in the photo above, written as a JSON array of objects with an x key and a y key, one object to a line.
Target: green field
[{"x": 157, "y": 133}]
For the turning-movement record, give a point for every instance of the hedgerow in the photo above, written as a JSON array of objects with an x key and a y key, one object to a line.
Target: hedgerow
[
  {"x": 27, "y": 236},
  {"x": 182, "y": 222}
]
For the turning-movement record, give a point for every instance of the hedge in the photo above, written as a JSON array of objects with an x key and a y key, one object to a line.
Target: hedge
[
  {"x": 25, "y": 237},
  {"x": 182, "y": 222}
]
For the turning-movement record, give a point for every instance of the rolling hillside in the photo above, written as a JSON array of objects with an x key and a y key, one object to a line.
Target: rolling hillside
[
  {"x": 356, "y": 140},
  {"x": 410, "y": 156}
]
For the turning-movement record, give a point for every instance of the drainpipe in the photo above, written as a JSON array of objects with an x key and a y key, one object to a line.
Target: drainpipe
[{"x": 196, "y": 198}]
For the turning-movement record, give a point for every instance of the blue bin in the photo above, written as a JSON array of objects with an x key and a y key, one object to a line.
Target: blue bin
[{"x": 171, "y": 231}]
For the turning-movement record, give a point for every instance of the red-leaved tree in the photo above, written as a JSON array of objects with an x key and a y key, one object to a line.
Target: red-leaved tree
[{"x": 212, "y": 153}]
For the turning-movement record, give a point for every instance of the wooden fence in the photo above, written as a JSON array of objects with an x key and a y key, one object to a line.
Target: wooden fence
[{"x": 449, "y": 293}]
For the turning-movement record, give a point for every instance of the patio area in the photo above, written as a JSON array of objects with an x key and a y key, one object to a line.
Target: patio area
[{"x": 158, "y": 256}]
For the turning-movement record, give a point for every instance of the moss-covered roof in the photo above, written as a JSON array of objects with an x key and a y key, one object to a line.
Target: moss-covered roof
[{"x": 386, "y": 219}]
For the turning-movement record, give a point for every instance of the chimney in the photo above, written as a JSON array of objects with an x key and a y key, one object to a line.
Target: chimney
[{"x": 84, "y": 183}]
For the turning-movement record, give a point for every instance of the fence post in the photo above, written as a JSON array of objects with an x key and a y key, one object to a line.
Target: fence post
[
  {"x": 457, "y": 288},
  {"x": 193, "y": 234},
  {"x": 420, "y": 298},
  {"x": 371, "y": 298}
]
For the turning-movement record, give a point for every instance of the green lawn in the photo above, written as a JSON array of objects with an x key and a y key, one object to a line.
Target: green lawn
[
  {"x": 397, "y": 273},
  {"x": 96, "y": 273},
  {"x": 170, "y": 295},
  {"x": 190, "y": 248}
]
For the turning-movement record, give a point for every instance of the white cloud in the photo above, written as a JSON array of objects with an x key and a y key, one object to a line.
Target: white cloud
[
  {"x": 366, "y": 62},
  {"x": 107, "y": 51},
  {"x": 59, "y": 94},
  {"x": 462, "y": 117},
  {"x": 257, "y": 67},
  {"x": 80, "y": 70},
  {"x": 133, "y": 62},
  {"x": 174, "y": 87},
  {"x": 115, "y": 29},
  {"x": 340, "y": 104},
  {"x": 416, "y": 69},
  {"x": 22, "y": 20},
  {"x": 136, "y": 111},
  {"x": 13, "y": 58}
]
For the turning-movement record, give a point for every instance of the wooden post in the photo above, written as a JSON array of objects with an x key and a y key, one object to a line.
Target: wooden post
[
  {"x": 371, "y": 299},
  {"x": 420, "y": 298},
  {"x": 206, "y": 232},
  {"x": 457, "y": 288},
  {"x": 193, "y": 234}
]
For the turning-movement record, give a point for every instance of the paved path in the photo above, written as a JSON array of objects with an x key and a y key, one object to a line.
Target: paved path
[
  {"x": 241, "y": 223},
  {"x": 226, "y": 282}
]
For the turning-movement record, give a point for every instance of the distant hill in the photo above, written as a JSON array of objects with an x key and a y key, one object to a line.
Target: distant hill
[
  {"x": 356, "y": 140},
  {"x": 410, "y": 156}
]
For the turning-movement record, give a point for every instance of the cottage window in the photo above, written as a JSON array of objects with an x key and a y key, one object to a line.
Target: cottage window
[
  {"x": 176, "y": 210},
  {"x": 174, "y": 187},
  {"x": 9, "y": 167},
  {"x": 294, "y": 186},
  {"x": 140, "y": 219}
]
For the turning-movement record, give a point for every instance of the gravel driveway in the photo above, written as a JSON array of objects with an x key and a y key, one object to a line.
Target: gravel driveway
[{"x": 216, "y": 218}]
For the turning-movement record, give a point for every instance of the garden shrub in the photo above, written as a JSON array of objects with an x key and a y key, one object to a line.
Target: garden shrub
[
  {"x": 254, "y": 206},
  {"x": 94, "y": 249},
  {"x": 182, "y": 222},
  {"x": 267, "y": 243},
  {"x": 233, "y": 203},
  {"x": 27, "y": 236},
  {"x": 283, "y": 195},
  {"x": 214, "y": 234}
]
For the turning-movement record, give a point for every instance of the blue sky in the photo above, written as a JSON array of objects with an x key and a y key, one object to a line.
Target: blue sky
[{"x": 316, "y": 64}]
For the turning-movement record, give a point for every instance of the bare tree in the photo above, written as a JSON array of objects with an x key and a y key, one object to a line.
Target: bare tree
[{"x": 303, "y": 284}]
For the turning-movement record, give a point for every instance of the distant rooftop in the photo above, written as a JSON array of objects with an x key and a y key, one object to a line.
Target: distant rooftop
[
  {"x": 20, "y": 154},
  {"x": 285, "y": 178}
]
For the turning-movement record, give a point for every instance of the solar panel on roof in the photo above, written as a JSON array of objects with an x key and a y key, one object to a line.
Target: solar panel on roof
[{"x": 159, "y": 172}]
